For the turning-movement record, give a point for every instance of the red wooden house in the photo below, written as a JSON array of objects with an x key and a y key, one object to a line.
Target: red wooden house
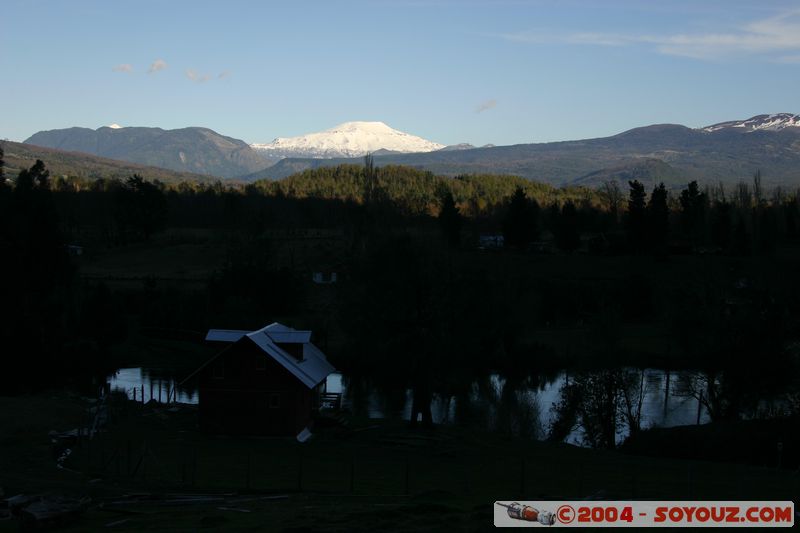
[{"x": 263, "y": 382}]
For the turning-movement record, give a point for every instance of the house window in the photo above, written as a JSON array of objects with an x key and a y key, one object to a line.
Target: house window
[
  {"x": 261, "y": 362},
  {"x": 274, "y": 400},
  {"x": 218, "y": 371}
]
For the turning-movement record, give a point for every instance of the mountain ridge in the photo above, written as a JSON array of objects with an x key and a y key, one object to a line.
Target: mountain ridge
[
  {"x": 726, "y": 154},
  {"x": 196, "y": 150},
  {"x": 80, "y": 164}
]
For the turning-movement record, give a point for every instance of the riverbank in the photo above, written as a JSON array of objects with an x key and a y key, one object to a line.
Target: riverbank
[
  {"x": 369, "y": 474},
  {"x": 771, "y": 443}
]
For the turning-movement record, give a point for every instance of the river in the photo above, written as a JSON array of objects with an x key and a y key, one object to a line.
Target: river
[{"x": 529, "y": 410}]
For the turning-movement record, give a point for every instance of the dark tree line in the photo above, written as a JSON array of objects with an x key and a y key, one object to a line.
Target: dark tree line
[{"x": 48, "y": 329}]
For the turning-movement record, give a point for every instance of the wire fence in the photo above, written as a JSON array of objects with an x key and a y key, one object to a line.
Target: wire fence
[{"x": 280, "y": 465}]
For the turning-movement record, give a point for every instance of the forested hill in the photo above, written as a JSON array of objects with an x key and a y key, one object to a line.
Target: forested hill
[
  {"x": 416, "y": 191},
  {"x": 670, "y": 153},
  {"x": 20, "y": 156}
]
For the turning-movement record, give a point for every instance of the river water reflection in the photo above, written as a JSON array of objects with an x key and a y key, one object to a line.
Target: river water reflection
[{"x": 528, "y": 409}]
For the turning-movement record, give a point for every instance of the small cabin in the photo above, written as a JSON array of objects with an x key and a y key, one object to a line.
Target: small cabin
[{"x": 263, "y": 382}]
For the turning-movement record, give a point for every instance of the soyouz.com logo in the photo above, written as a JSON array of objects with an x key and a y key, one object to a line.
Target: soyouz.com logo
[{"x": 748, "y": 514}]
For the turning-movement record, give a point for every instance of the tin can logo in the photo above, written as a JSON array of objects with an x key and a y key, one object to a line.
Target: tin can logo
[
  {"x": 748, "y": 514},
  {"x": 527, "y": 513}
]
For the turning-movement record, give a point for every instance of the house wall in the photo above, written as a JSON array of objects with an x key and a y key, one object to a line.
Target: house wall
[{"x": 245, "y": 392}]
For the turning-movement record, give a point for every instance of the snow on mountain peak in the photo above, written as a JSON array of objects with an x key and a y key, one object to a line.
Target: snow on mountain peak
[
  {"x": 774, "y": 122},
  {"x": 349, "y": 139},
  {"x": 114, "y": 126}
]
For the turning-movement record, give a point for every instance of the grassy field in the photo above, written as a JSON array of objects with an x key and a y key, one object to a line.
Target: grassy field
[
  {"x": 567, "y": 285},
  {"x": 176, "y": 254},
  {"x": 374, "y": 475}
]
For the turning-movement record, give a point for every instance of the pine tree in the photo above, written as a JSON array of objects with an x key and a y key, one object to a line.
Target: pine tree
[
  {"x": 450, "y": 220},
  {"x": 520, "y": 226},
  {"x": 370, "y": 179},
  {"x": 637, "y": 216},
  {"x": 567, "y": 234},
  {"x": 658, "y": 215},
  {"x": 693, "y": 204}
]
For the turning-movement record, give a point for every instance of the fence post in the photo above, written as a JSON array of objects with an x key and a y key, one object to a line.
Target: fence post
[
  {"x": 406, "y": 490},
  {"x": 300, "y": 470},
  {"x": 88, "y": 455},
  {"x": 699, "y": 407},
  {"x": 194, "y": 466},
  {"x": 353, "y": 474},
  {"x": 247, "y": 478}
]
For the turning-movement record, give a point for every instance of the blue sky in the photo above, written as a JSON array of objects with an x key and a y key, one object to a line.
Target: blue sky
[{"x": 452, "y": 71}]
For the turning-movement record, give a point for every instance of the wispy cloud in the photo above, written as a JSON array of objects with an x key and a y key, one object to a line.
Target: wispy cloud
[
  {"x": 158, "y": 64},
  {"x": 196, "y": 76},
  {"x": 776, "y": 38},
  {"x": 123, "y": 67},
  {"x": 485, "y": 106},
  {"x": 791, "y": 60},
  {"x": 224, "y": 74}
]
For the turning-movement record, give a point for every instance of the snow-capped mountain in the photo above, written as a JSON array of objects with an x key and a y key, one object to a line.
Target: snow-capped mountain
[
  {"x": 774, "y": 122},
  {"x": 351, "y": 139}
]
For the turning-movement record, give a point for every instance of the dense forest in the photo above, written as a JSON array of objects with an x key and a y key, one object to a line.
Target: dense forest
[{"x": 704, "y": 268}]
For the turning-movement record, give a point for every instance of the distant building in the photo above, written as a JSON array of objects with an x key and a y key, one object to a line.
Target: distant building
[
  {"x": 491, "y": 241},
  {"x": 324, "y": 278},
  {"x": 263, "y": 382},
  {"x": 74, "y": 249},
  {"x": 541, "y": 247}
]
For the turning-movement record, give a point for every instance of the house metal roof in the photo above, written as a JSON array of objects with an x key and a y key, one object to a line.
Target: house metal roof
[
  {"x": 225, "y": 335},
  {"x": 301, "y": 337},
  {"x": 311, "y": 370}
]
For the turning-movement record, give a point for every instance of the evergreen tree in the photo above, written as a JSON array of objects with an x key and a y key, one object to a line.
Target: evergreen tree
[
  {"x": 37, "y": 271},
  {"x": 658, "y": 215},
  {"x": 141, "y": 208},
  {"x": 370, "y": 179},
  {"x": 520, "y": 226},
  {"x": 721, "y": 224},
  {"x": 693, "y": 204},
  {"x": 450, "y": 220},
  {"x": 637, "y": 216},
  {"x": 567, "y": 233}
]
